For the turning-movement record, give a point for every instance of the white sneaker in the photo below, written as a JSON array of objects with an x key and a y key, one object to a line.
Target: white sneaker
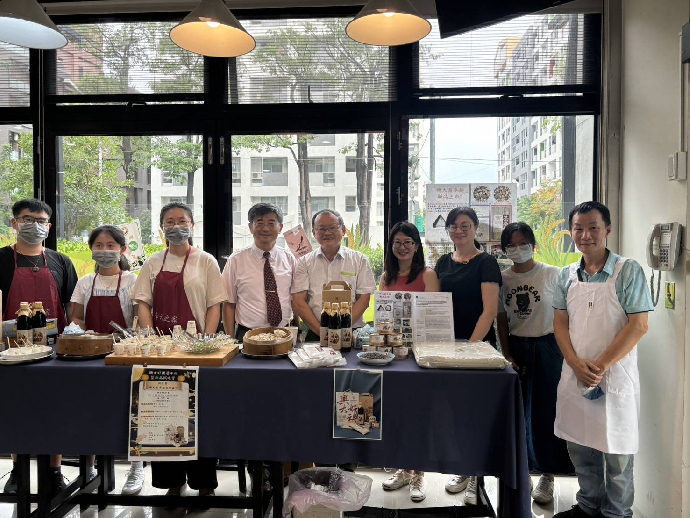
[
  {"x": 417, "y": 487},
  {"x": 93, "y": 473},
  {"x": 543, "y": 493},
  {"x": 457, "y": 483},
  {"x": 134, "y": 481},
  {"x": 471, "y": 492},
  {"x": 399, "y": 479}
]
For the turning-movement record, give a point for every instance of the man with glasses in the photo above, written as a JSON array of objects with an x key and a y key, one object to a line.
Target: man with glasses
[
  {"x": 330, "y": 262},
  {"x": 261, "y": 264},
  {"x": 31, "y": 273}
]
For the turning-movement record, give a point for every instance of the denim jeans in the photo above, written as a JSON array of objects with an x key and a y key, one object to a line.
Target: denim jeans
[{"x": 605, "y": 479}]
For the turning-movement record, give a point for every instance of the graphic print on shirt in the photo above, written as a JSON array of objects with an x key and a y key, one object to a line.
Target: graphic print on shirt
[{"x": 524, "y": 295}]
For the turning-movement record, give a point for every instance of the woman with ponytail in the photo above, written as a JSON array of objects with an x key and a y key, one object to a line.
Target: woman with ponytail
[{"x": 105, "y": 296}]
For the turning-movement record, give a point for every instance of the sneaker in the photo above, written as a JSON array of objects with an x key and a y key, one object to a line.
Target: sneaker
[
  {"x": 543, "y": 493},
  {"x": 457, "y": 483},
  {"x": 576, "y": 512},
  {"x": 134, "y": 481},
  {"x": 11, "y": 484},
  {"x": 471, "y": 492},
  {"x": 58, "y": 482},
  {"x": 93, "y": 473},
  {"x": 399, "y": 479},
  {"x": 175, "y": 491},
  {"x": 417, "y": 487}
]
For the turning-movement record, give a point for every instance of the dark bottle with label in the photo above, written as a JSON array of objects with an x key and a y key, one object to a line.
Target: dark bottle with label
[
  {"x": 346, "y": 325},
  {"x": 360, "y": 415},
  {"x": 39, "y": 322},
  {"x": 325, "y": 321},
  {"x": 25, "y": 332},
  {"x": 335, "y": 336}
]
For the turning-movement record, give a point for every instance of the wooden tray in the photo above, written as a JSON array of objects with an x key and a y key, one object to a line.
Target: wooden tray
[{"x": 176, "y": 357}]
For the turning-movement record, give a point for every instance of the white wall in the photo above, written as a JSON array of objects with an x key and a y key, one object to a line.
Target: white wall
[{"x": 651, "y": 115}]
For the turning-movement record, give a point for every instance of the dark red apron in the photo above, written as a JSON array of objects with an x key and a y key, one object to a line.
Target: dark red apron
[
  {"x": 34, "y": 286},
  {"x": 170, "y": 303},
  {"x": 103, "y": 309}
]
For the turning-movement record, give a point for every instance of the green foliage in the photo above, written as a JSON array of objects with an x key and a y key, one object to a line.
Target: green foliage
[
  {"x": 179, "y": 158},
  {"x": 145, "y": 222},
  {"x": 354, "y": 241},
  {"x": 546, "y": 202},
  {"x": 16, "y": 177},
  {"x": 550, "y": 242}
]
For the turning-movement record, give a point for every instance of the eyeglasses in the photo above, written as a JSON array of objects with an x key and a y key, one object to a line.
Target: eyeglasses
[
  {"x": 271, "y": 224},
  {"x": 332, "y": 229},
  {"x": 407, "y": 244},
  {"x": 181, "y": 223},
  {"x": 31, "y": 219},
  {"x": 465, "y": 227},
  {"x": 514, "y": 248}
]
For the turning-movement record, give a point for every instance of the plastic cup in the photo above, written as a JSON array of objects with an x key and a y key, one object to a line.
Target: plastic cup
[
  {"x": 132, "y": 349},
  {"x": 119, "y": 349},
  {"x": 146, "y": 349}
]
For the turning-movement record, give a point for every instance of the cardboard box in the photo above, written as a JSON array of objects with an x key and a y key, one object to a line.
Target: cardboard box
[
  {"x": 317, "y": 511},
  {"x": 337, "y": 291}
]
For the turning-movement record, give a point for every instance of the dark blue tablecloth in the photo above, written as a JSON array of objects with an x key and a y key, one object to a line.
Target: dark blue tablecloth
[{"x": 450, "y": 421}]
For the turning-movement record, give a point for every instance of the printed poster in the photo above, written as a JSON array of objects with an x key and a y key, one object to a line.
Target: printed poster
[
  {"x": 419, "y": 316},
  {"x": 357, "y": 404},
  {"x": 135, "y": 254},
  {"x": 395, "y": 306},
  {"x": 298, "y": 242},
  {"x": 163, "y": 413}
]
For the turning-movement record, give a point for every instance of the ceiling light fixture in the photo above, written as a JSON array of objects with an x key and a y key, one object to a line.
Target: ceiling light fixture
[
  {"x": 212, "y": 30},
  {"x": 25, "y": 23},
  {"x": 388, "y": 23}
]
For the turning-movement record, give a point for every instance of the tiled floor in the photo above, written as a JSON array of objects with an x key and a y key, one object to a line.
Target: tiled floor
[{"x": 565, "y": 490}]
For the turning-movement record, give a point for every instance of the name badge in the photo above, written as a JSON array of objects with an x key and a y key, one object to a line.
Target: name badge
[{"x": 348, "y": 274}]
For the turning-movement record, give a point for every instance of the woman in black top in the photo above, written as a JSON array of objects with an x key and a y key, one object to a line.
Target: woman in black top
[{"x": 474, "y": 279}]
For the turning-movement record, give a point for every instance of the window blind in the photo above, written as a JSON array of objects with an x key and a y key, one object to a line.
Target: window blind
[{"x": 14, "y": 75}]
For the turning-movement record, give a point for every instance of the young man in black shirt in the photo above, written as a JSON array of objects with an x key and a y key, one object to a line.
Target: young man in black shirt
[{"x": 31, "y": 273}]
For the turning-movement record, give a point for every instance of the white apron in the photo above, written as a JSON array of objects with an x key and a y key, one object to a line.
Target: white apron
[{"x": 607, "y": 424}]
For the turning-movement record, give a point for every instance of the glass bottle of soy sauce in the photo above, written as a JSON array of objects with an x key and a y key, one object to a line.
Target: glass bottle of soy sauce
[
  {"x": 325, "y": 321},
  {"x": 346, "y": 326},
  {"x": 335, "y": 333}
]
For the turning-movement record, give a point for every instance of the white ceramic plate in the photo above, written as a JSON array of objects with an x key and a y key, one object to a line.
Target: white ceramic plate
[
  {"x": 18, "y": 360},
  {"x": 39, "y": 352},
  {"x": 371, "y": 361}
]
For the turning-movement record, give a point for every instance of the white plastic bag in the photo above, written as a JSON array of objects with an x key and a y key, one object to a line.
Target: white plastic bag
[{"x": 331, "y": 487}]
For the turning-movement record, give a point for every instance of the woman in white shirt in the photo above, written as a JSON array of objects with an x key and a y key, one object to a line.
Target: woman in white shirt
[
  {"x": 175, "y": 286},
  {"x": 525, "y": 328}
]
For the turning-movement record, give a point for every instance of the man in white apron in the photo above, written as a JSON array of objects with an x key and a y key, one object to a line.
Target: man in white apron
[{"x": 601, "y": 308}]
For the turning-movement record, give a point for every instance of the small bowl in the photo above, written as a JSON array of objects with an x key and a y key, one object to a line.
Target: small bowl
[{"x": 369, "y": 360}]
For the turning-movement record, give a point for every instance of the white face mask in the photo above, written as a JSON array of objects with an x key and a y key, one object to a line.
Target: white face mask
[{"x": 519, "y": 254}]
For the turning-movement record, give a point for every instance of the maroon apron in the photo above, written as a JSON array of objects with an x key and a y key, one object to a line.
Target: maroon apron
[
  {"x": 103, "y": 309},
  {"x": 34, "y": 286},
  {"x": 170, "y": 303}
]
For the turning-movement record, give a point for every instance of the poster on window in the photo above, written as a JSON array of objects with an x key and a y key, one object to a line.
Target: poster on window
[
  {"x": 135, "y": 254},
  {"x": 357, "y": 404},
  {"x": 297, "y": 241},
  {"x": 163, "y": 413}
]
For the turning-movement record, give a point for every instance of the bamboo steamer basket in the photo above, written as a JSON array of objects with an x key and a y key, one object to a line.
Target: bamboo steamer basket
[{"x": 272, "y": 348}]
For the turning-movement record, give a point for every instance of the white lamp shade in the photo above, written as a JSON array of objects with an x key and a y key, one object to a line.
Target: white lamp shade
[
  {"x": 388, "y": 23},
  {"x": 212, "y": 30},
  {"x": 25, "y": 23}
]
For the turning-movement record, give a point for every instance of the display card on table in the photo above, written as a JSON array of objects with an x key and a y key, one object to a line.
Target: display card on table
[{"x": 357, "y": 404}]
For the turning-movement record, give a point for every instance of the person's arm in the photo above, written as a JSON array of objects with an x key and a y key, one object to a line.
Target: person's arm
[
  {"x": 586, "y": 371},
  {"x": 229, "y": 318},
  {"x": 503, "y": 334},
  {"x": 145, "y": 317},
  {"x": 624, "y": 342},
  {"x": 486, "y": 319},
  {"x": 360, "y": 306},
  {"x": 212, "y": 319},
  {"x": 431, "y": 282},
  {"x": 302, "y": 310},
  {"x": 69, "y": 283},
  {"x": 78, "y": 315}
]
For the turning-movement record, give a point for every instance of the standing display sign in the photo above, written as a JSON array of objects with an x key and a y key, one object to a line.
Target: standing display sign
[
  {"x": 135, "y": 254},
  {"x": 357, "y": 404},
  {"x": 163, "y": 413},
  {"x": 494, "y": 203},
  {"x": 419, "y": 316}
]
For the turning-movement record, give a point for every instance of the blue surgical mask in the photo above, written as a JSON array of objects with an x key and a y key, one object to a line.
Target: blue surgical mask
[{"x": 520, "y": 254}]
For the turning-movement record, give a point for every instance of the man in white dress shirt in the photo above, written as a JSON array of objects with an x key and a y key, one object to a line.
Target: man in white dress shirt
[
  {"x": 330, "y": 262},
  {"x": 251, "y": 284}
]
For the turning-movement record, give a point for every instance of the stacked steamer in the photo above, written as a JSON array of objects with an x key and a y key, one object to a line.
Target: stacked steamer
[
  {"x": 387, "y": 340},
  {"x": 267, "y": 341},
  {"x": 84, "y": 345}
]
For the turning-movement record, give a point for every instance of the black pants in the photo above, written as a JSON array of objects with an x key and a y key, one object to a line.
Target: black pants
[
  {"x": 198, "y": 474},
  {"x": 312, "y": 336},
  {"x": 240, "y": 332}
]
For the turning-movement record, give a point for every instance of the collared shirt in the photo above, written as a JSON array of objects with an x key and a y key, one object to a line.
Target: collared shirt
[
  {"x": 631, "y": 285},
  {"x": 243, "y": 278},
  {"x": 314, "y": 270}
]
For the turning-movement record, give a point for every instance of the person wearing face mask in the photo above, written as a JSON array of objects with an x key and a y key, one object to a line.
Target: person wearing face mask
[
  {"x": 175, "y": 286},
  {"x": 525, "y": 329},
  {"x": 31, "y": 273}
]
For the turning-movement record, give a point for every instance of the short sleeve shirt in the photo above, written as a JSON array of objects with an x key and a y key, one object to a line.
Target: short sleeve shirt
[{"x": 631, "y": 285}]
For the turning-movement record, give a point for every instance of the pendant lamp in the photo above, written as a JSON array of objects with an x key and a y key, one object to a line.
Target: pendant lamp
[
  {"x": 212, "y": 30},
  {"x": 388, "y": 23},
  {"x": 25, "y": 23}
]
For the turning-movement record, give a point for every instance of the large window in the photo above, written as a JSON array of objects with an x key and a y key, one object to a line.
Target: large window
[
  {"x": 14, "y": 75},
  {"x": 16, "y": 173},
  {"x": 474, "y": 168},
  {"x": 116, "y": 179}
]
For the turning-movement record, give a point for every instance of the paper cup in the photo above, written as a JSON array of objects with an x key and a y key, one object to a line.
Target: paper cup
[
  {"x": 146, "y": 349},
  {"x": 160, "y": 349},
  {"x": 295, "y": 334},
  {"x": 119, "y": 349},
  {"x": 131, "y": 349}
]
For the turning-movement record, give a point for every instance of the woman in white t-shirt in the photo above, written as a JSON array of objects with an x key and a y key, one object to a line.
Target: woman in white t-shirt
[
  {"x": 525, "y": 329},
  {"x": 175, "y": 286}
]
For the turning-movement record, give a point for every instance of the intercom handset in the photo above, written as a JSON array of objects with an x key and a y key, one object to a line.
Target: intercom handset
[{"x": 664, "y": 246}]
